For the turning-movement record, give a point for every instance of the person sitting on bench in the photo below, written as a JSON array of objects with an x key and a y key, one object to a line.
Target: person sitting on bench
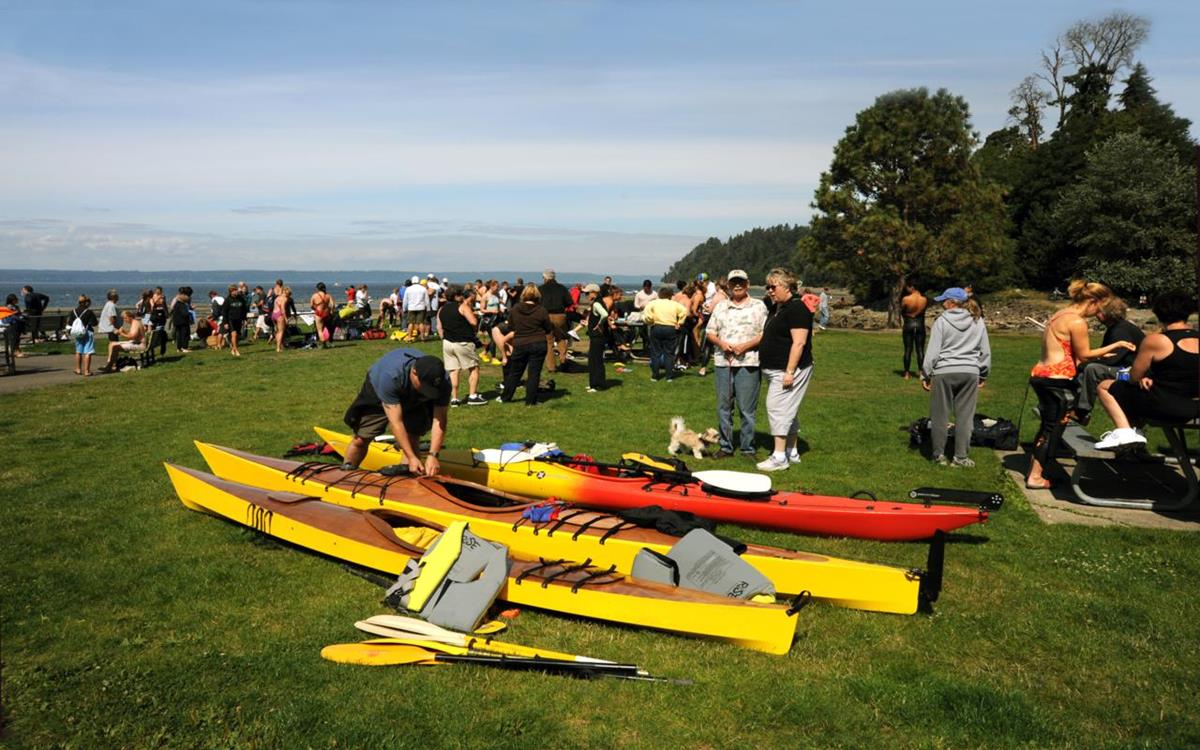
[
  {"x": 1064, "y": 347},
  {"x": 134, "y": 340},
  {"x": 1092, "y": 374},
  {"x": 1163, "y": 382}
]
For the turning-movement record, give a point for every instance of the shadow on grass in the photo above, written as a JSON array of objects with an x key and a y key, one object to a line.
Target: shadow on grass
[
  {"x": 544, "y": 394},
  {"x": 967, "y": 539},
  {"x": 765, "y": 441}
]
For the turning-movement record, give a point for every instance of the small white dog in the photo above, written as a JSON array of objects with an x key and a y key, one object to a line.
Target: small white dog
[{"x": 681, "y": 436}]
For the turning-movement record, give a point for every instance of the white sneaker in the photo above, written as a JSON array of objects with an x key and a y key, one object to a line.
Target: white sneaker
[
  {"x": 1118, "y": 437},
  {"x": 794, "y": 457},
  {"x": 773, "y": 464}
]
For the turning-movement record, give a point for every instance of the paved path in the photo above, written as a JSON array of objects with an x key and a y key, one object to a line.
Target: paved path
[
  {"x": 39, "y": 371},
  {"x": 1059, "y": 505}
]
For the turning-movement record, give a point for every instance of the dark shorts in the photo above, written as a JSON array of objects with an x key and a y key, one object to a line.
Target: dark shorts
[
  {"x": 1156, "y": 404},
  {"x": 368, "y": 420},
  {"x": 558, "y": 326},
  {"x": 418, "y": 317}
]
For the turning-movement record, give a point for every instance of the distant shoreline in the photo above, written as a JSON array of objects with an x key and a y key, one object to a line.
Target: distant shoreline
[{"x": 21, "y": 276}]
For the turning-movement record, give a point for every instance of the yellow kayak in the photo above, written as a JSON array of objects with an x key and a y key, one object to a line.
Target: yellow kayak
[
  {"x": 576, "y": 534},
  {"x": 385, "y": 540}
]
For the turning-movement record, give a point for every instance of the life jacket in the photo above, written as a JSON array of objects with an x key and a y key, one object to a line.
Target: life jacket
[
  {"x": 455, "y": 581},
  {"x": 703, "y": 562}
]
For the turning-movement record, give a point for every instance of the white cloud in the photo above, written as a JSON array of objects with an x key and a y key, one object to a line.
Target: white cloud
[{"x": 470, "y": 249}]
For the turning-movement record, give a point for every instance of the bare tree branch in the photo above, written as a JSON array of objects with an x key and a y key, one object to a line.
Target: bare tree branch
[
  {"x": 1052, "y": 74},
  {"x": 1111, "y": 41},
  {"x": 1029, "y": 99}
]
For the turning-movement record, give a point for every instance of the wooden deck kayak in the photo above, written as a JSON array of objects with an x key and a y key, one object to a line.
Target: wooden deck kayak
[
  {"x": 379, "y": 539},
  {"x": 575, "y": 534}
]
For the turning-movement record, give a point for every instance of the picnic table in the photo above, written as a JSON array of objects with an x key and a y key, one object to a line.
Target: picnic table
[{"x": 1099, "y": 468}]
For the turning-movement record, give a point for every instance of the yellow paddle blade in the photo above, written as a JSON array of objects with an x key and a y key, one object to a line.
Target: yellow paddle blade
[
  {"x": 488, "y": 628},
  {"x": 366, "y": 654}
]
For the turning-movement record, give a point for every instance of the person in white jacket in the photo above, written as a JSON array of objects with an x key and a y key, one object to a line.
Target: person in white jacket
[{"x": 956, "y": 366}]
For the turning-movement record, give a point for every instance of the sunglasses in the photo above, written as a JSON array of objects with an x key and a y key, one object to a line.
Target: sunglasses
[{"x": 770, "y": 287}]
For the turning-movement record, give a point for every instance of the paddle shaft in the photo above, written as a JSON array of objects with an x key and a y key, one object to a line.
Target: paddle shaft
[{"x": 394, "y": 626}]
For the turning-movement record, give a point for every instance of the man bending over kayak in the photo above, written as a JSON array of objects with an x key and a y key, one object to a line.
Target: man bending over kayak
[{"x": 406, "y": 391}]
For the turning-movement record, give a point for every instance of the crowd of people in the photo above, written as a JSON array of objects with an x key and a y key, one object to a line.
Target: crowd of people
[
  {"x": 754, "y": 345},
  {"x": 1135, "y": 377}
]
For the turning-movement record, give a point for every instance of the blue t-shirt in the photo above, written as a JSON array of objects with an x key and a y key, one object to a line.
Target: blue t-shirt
[{"x": 389, "y": 378}]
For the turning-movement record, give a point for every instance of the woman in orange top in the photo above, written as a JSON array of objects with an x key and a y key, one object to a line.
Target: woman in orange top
[{"x": 1065, "y": 347}]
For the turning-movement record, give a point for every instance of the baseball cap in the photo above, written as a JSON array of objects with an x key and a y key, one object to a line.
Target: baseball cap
[
  {"x": 431, "y": 276},
  {"x": 593, "y": 287},
  {"x": 432, "y": 375},
  {"x": 701, "y": 277},
  {"x": 416, "y": 279},
  {"x": 956, "y": 293},
  {"x": 445, "y": 280},
  {"x": 737, "y": 273}
]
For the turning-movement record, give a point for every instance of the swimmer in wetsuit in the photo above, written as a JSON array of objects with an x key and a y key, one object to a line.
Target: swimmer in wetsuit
[{"x": 912, "y": 308}]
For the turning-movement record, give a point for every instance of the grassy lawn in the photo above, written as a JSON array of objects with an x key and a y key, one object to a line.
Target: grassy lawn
[{"x": 130, "y": 621}]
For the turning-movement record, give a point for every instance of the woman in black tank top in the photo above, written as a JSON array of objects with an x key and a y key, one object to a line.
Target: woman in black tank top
[
  {"x": 455, "y": 326},
  {"x": 1164, "y": 381}
]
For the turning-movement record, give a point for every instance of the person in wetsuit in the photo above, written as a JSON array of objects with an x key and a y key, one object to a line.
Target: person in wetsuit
[{"x": 912, "y": 309}]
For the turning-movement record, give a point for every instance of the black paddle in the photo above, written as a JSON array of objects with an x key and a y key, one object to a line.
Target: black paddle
[{"x": 983, "y": 500}]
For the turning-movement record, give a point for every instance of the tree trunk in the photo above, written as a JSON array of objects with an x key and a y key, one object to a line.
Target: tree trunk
[{"x": 893, "y": 315}]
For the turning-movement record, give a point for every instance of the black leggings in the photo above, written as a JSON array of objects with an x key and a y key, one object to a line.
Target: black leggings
[
  {"x": 1055, "y": 397},
  {"x": 527, "y": 358},
  {"x": 914, "y": 337},
  {"x": 596, "y": 362},
  {"x": 183, "y": 336}
]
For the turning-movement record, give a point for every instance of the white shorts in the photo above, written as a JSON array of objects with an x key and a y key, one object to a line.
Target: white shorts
[
  {"x": 782, "y": 404},
  {"x": 459, "y": 356}
]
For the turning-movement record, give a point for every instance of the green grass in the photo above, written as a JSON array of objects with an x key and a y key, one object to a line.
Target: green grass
[{"x": 129, "y": 621}]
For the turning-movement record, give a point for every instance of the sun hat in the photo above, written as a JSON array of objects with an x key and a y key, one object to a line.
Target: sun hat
[
  {"x": 956, "y": 293},
  {"x": 593, "y": 287}
]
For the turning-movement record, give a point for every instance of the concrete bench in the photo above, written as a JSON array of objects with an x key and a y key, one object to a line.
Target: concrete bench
[{"x": 1087, "y": 457}]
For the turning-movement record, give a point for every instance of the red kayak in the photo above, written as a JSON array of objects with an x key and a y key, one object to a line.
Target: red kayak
[
  {"x": 612, "y": 488},
  {"x": 583, "y": 481}
]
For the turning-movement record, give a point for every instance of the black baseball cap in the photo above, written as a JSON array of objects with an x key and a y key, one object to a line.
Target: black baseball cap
[{"x": 431, "y": 373}]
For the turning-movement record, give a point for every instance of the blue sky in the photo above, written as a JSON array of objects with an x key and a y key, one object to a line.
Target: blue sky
[{"x": 471, "y": 136}]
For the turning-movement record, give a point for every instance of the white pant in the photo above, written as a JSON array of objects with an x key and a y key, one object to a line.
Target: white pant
[{"x": 783, "y": 403}]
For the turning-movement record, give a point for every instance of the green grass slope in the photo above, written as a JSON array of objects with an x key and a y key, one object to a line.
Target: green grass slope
[{"x": 129, "y": 621}]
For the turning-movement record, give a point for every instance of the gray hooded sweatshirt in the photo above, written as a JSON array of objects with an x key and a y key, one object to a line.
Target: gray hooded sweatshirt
[{"x": 957, "y": 344}]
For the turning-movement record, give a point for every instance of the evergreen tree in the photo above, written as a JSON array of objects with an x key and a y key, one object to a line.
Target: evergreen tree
[
  {"x": 1131, "y": 215},
  {"x": 1142, "y": 111},
  {"x": 903, "y": 197},
  {"x": 755, "y": 251},
  {"x": 1047, "y": 255}
]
